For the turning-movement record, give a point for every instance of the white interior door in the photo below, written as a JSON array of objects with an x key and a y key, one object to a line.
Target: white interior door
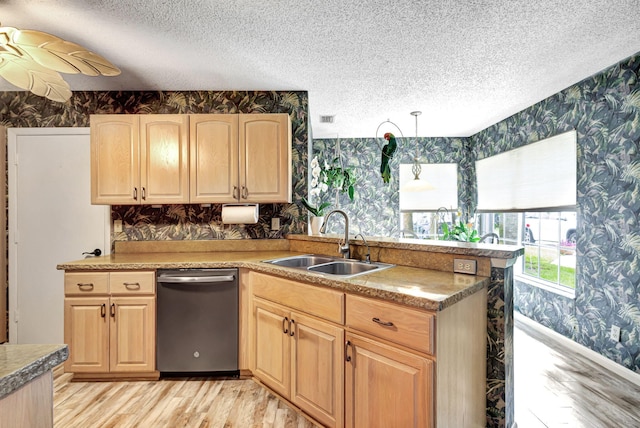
[{"x": 51, "y": 220}]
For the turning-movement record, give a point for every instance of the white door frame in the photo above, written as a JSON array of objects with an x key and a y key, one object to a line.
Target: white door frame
[{"x": 12, "y": 140}]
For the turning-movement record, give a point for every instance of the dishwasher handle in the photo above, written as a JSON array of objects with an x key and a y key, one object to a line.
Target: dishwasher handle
[{"x": 195, "y": 279}]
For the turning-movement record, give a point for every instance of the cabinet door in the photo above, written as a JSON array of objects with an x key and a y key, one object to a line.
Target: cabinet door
[
  {"x": 272, "y": 346},
  {"x": 317, "y": 355},
  {"x": 386, "y": 387},
  {"x": 213, "y": 146},
  {"x": 164, "y": 154},
  {"x": 86, "y": 331},
  {"x": 115, "y": 159},
  {"x": 265, "y": 157},
  {"x": 132, "y": 334}
]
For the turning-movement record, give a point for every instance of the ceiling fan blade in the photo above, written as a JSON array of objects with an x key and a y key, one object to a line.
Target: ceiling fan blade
[
  {"x": 56, "y": 90},
  {"x": 27, "y": 74},
  {"x": 61, "y": 55}
]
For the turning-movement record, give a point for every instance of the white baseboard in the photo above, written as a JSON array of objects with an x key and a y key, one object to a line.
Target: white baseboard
[{"x": 608, "y": 364}]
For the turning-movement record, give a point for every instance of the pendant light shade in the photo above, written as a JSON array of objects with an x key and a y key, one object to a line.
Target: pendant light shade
[{"x": 417, "y": 184}]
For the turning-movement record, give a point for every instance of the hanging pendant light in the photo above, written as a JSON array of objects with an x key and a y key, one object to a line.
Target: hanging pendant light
[
  {"x": 33, "y": 60},
  {"x": 417, "y": 184}
]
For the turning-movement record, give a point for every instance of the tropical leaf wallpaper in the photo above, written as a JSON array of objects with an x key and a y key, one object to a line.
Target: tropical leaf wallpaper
[
  {"x": 375, "y": 208},
  {"x": 176, "y": 222},
  {"x": 605, "y": 111}
]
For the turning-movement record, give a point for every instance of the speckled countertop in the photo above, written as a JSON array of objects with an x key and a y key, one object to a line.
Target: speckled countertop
[
  {"x": 411, "y": 286},
  {"x": 20, "y": 364}
]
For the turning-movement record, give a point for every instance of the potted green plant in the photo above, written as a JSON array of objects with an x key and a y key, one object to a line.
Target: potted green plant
[
  {"x": 323, "y": 178},
  {"x": 460, "y": 231},
  {"x": 316, "y": 211},
  {"x": 340, "y": 178}
]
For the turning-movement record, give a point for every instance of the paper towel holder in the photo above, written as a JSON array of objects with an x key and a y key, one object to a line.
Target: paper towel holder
[{"x": 240, "y": 213}]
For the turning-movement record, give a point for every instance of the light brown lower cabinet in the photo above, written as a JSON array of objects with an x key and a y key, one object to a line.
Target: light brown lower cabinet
[
  {"x": 356, "y": 361},
  {"x": 109, "y": 324},
  {"x": 386, "y": 386},
  {"x": 298, "y": 344},
  {"x": 409, "y": 367},
  {"x": 301, "y": 359}
]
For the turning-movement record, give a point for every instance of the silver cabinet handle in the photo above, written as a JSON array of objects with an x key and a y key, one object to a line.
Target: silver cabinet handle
[
  {"x": 382, "y": 323},
  {"x": 113, "y": 310},
  {"x": 235, "y": 192},
  {"x": 103, "y": 310},
  {"x": 135, "y": 193},
  {"x": 245, "y": 192},
  {"x": 85, "y": 286},
  {"x": 132, "y": 285},
  {"x": 347, "y": 345},
  {"x": 144, "y": 194}
]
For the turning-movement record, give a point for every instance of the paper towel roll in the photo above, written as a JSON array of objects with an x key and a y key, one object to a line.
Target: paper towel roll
[{"x": 239, "y": 214}]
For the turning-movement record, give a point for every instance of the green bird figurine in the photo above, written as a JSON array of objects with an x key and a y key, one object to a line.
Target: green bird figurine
[{"x": 387, "y": 153}]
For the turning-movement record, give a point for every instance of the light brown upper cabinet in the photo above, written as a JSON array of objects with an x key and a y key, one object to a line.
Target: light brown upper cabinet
[
  {"x": 213, "y": 146},
  {"x": 139, "y": 159},
  {"x": 265, "y": 158},
  {"x": 208, "y": 158}
]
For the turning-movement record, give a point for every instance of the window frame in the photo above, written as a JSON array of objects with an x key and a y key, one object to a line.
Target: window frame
[{"x": 486, "y": 224}]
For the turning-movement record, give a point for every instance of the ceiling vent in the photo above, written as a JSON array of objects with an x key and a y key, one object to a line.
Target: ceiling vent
[{"x": 327, "y": 119}]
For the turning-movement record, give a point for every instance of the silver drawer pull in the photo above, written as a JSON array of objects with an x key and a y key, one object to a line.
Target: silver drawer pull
[
  {"x": 382, "y": 323},
  {"x": 132, "y": 285},
  {"x": 88, "y": 286}
]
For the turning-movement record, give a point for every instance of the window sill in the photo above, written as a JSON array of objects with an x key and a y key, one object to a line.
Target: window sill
[{"x": 567, "y": 292}]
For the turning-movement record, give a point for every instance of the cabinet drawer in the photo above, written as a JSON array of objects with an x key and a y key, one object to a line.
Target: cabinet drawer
[
  {"x": 132, "y": 282},
  {"x": 398, "y": 324},
  {"x": 86, "y": 283},
  {"x": 318, "y": 301}
]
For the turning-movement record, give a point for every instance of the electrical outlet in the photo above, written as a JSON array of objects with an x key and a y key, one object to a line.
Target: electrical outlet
[
  {"x": 275, "y": 223},
  {"x": 464, "y": 266},
  {"x": 615, "y": 333},
  {"x": 117, "y": 226}
]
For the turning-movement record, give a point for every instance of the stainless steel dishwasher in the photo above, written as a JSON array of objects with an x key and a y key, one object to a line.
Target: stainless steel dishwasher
[{"x": 197, "y": 321}]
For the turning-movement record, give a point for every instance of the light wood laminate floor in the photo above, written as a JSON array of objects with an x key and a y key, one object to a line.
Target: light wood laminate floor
[
  {"x": 196, "y": 402},
  {"x": 556, "y": 387}
]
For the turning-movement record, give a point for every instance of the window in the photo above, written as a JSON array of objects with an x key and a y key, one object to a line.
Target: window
[
  {"x": 532, "y": 185},
  {"x": 444, "y": 179},
  {"x": 423, "y": 212},
  {"x": 424, "y": 224},
  {"x": 537, "y": 176},
  {"x": 549, "y": 240}
]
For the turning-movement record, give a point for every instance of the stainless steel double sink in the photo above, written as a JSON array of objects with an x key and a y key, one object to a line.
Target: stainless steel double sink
[{"x": 330, "y": 266}]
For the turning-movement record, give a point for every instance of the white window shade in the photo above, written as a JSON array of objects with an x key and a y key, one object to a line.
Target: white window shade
[
  {"x": 538, "y": 176},
  {"x": 443, "y": 177}
]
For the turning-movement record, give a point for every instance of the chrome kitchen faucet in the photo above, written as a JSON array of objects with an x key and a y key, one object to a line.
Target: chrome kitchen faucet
[{"x": 343, "y": 247}]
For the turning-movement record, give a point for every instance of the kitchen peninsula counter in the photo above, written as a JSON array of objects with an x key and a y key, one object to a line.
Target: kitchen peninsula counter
[
  {"x": 26, "y": 385},
  {"x": 411, "y": 286},
  {"x": 423, "y": 277}
]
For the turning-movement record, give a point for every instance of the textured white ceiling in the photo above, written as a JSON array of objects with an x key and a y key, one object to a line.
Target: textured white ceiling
[{"x": 465, "y": 64}]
